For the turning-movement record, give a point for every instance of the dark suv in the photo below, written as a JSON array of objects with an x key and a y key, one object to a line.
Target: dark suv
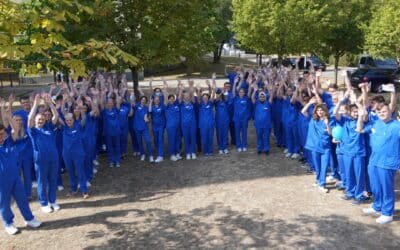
[{"x": 376, "y": 76}]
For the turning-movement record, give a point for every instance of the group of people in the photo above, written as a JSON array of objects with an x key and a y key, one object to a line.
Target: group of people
[{"x": 67, "y": 129}]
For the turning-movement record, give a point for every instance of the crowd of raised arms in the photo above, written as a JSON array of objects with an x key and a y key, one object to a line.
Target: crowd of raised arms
[{"x": 67, "y": 130}]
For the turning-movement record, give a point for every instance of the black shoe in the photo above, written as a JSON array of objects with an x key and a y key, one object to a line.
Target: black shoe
[
  {"x": 259, "y": 152},
  {"x": 345, "y": 197},
  {"x": 266, "y": 152}
]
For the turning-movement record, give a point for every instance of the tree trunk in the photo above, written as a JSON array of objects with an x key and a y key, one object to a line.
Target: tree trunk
[
  {"x": 337, "y": 56},
  {"x": 135, "y": 79},
  {"x": 215, "y": 54}
]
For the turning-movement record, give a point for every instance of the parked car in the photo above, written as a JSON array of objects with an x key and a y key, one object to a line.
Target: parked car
[
  {"x": 376, "y": 76},
  {"x": 318, "y": 63},
  {"x": 367, "y": 62},
  {"x": 395, "y": 79}
]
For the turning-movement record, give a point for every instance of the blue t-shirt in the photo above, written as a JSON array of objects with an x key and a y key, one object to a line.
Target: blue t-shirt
[
  {"x": 158, "y": 116},
  {"x": 111, "y": 125},
  {"x": 138, "y": 121},
  {"x": 43, "y": 141},
  {"x": 241, "y": 109},
  {"x": 318, "y": 138},
  {"x": 353, "y": 143},
  {"x": 206, "y": 115},
  {"x": 173, "y": 114},
  {"x": 262, "y": 114}
]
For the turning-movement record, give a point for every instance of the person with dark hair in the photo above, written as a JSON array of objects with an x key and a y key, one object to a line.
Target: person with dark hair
[{"x": 207, "y": 120}]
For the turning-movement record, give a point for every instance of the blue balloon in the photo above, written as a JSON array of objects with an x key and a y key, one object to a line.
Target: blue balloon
[{"x": 337, "y": 133}]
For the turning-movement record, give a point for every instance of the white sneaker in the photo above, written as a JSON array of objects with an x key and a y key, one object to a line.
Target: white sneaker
[
  {"x": 60, "y": 188},
  {"x": 173, "y": 158},
  {"x": 285, "y": 151},
  {"x": 55, "y": 207},
  {"x": 330, "y": 178},
  {"x": 295, "y": 156},
  {"x": 239, "y": 150},
  {"x": 151, "y": 159},
  {"x": 118, "y": 165},
  {"x": 94, "y": 170},
  {"x": 194, "y": 156},
  {"x": 287, "y": 155},
  {"x": 46, "y": 209},
  {"x": 33, "y": 223},
  {"x": 178, "y": 156},
  {"x": 188, "y": 157},
  {"x": 370, "y": 211},
  {"x": 383, "y": 219},
  {"x": 34, "y": 184},
  {"x": 323, "y": 189},
  {"x": 104, "y": 147},
  {"x": 10, "y": 229},
  {"x": 244, "y": 149},
  {"x": 88, "y": 184},
  {"x": 226, "y": 151},
  {"x": 159, "y": 159},
  {"x": 221, "y": 152},
  {"x": 111, "y": 165},
  {"x": 95, "y": 162},
  {"x": 143, "y": 157}
]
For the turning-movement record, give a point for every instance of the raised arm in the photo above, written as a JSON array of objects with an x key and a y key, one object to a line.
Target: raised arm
[
  {"x": 53, "y": 109},
  {"x": 32, "y": 114},
  {"x": 304, "y": 111},
  {"x": 253, "y": 95},
  {"x": 165, "y": 90},
  {"x": 393, "y": 100}
]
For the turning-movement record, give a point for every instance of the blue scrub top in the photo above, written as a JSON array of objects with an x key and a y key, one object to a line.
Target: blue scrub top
[
  {"x": 221, "y": 112},
  {"x": 241, "y": 109},
  {"x": 123, "y": 116},
  {"x": 90, "y": 129},
  {"x": 262, "y": 114},
  {"x": 353, "y": 143},
  {"x": 188, "y": 113},
  {"x": 24, "y": 115},
  {"x": 385, "y": 144},
  {"x": 43, "y": 140},
  {"x": 8, "y": 164},
  {"x": 72, "y": 140},
  {"x": 158, "y": 116},
  {"x": 206, "y": 115},
  {"x": 173, "y": 114},
  {"x": 318, "y": 138},
  {"x": 138, "y": 121},
  {"x": 327, "y": 99},
  {"x": 289, "y": 112},
  {"x": 111, "y": 126},
  {"x": 231, "y": 77}
]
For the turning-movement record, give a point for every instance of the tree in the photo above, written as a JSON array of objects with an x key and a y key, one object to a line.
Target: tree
[
  {"x": 382, "y": 38},
  {"x": 33, "y": 36},
  {"x": 221, "y": 31}
]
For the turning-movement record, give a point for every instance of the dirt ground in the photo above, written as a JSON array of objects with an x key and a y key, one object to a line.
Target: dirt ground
[{"x": 239, "y": 201}]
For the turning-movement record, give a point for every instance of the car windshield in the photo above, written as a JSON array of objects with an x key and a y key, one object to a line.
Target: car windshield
[
  {"x": 360, "y": 72},
  {"x": 383, "y": 72}
]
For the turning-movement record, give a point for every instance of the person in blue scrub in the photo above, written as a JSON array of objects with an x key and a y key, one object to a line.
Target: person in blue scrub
[
  {"x": 123, "y": 113},
  {"x": 140, "y": 124},
  {"x": 112, "y": 132},
  {"x": 207, "y": 122},
  {"x": 289, "y": 120},
  {"x": 187, "y": 102},
  {"x": 383, "y": 163},
  {"x": 222, "y": 120},
  {"x": 262, "y": 119},
  {"x": 228, "y": 96},
  {"x": 352, "y": 147},
  {"x": 11, "y": 185},
  {"x": 45, "y": 154},
  {"x": 241, "y": 117},
  {"x": 277, "y": 120},
  {"x": 157, "y": 111},
  {"x": 74, "y": 153},
  {"x": 319, "y": 142},
  {"x": 134, "y": 141}
]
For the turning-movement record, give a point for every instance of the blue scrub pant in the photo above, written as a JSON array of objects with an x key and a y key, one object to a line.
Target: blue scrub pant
[
  {"x": 144, "y": 135},
  {"x": 124, "y": 141},
  {"x": 189, "y": 137},
  {"x": 174, "y": 138},
  {"x": 113, "y": 149},
  {"x": 74, "y": 164},
  {"x": 12, "y": 187},
  {"x": 333, "y": 163},
  {"x": 158, "y": 135},
  {"x": 198, "y": 139},
  {"x": 134, "y": 141},
  {"x": 241, "y": 133},
  {"x": 207, "y": 139},
  {"x": 355, "y": 173},
  {"x": 222, "y": 135},
  {"x": 382, "y": 185},
  {"x": 25, "y": 163},
  {"x": 342, "y": 170},
  {"x": 90, "y": 155},
  {"x": 232, "y": 132},
  {"x": 262, "y": 139},
  {"x": 321, "y": 162},
  {"x": 46, "y": 167},
  {"x": 291, "y": 138},
  {"x": 278, "y": 132},
  {"x": 367, "y": 179}
]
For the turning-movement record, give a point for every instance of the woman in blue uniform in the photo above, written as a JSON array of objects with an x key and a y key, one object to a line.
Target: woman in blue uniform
[
  {"x": 262, "y": 118},
  {"x": 319, "y": 142},
  {"x": 207, "y": 121},
  {"x": 112, "y": 132},
  {"x": 140, "y": 124},
  {"x": 241, "y": 117},
  {"x": 173, "y": 124},
  {"x": 222, "y": 120},
  {"x": 384, "y": 161},
  {"x": 123, "y": 113},
  {"x": 157, "y": 111},
  {"x": 11, "y": 185},
  {"x": 45, "y": 154},
  {"x": 187, "y": 102},
  {"x": 73, "y": 153}
]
